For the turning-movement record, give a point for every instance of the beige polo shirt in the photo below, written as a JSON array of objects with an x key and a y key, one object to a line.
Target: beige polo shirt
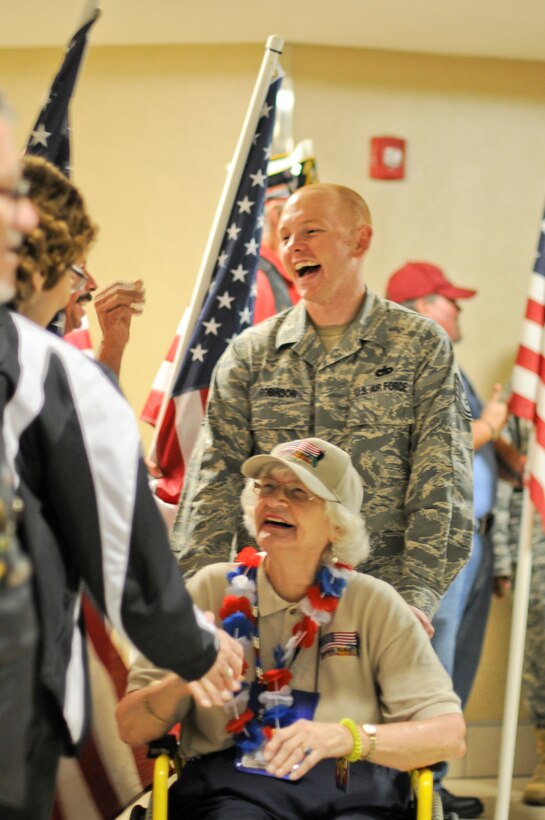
[{"x": 373, "y": 661}]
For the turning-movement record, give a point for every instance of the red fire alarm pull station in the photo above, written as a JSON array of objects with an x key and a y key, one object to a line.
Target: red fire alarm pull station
[{"x": 387, "y": 158}]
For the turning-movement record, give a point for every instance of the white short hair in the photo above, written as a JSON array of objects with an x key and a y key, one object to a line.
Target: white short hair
[{"x": 352, "y": 544}]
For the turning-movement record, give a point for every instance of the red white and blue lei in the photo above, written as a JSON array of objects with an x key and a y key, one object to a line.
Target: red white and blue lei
[{"x": 239, "y": 613}]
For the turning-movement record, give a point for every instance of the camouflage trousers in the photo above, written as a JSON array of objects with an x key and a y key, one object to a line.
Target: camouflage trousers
[{"x": 533, "y": 679}]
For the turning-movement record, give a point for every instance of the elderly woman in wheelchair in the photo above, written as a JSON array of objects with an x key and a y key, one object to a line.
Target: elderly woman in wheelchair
[{"x": 342, "y": 693}]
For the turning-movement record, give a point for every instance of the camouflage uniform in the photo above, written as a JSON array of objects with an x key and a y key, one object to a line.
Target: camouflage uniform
[
  {"x": 389, "y": 393},
  {"x": 505, "y": 538}
]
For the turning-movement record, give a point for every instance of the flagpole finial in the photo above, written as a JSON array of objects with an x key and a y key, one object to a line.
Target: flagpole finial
[
  {"x": 275, "y": 43},
  {"x": 91, "y": 10}
]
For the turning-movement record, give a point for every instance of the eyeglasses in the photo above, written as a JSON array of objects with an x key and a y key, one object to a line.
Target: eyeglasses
[
  {"x": 79, "y": 279},
  {"x": 293, "y": 492}
]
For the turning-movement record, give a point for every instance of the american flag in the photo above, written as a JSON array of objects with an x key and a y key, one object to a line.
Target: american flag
[
  {"x": 227, "y": 309},
  {"x": 528, "y": 381},
  {"x": 340, "y": 643},
  {"x": 50, "y": 137},
  {"x": 285, "y": 174}
]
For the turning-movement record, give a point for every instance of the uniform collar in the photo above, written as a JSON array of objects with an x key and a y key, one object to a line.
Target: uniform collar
[{"x": 371, "y": 324}]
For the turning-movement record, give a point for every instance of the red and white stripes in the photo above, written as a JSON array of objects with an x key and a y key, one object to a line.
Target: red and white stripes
[{"x": 528, "y": 382}]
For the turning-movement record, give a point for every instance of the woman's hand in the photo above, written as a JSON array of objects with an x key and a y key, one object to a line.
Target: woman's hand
[{"x": 297, "y": 748}]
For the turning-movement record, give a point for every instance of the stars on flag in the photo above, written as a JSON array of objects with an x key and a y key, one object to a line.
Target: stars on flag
[
  {"x": 40, "y": 135},
  {"x": 50, "y": 137},
  {"x": 225, "y": 300},
  {"x": 211, "y": 327},
  {"x": 233, "y": 231},
  {"x": 245, "y": 316},
  {"x": 228, "y": 307},
  {"x": 258, "y": 178},
  {"x": 245, "y": 205},
  {"x": 252, "y": 247},
  {"x": 239, "y": 274},
  {"x": 198, "y": 353}
]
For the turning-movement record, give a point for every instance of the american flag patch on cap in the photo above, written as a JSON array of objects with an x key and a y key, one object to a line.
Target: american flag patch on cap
[
  {"x": 344, "y": 644},
  {"x": 303, "y": 450}
]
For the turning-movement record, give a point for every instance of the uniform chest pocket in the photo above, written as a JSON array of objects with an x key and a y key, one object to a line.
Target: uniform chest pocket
[
  {"x": 278, "y": 414},
  {"x": 380, "y": 426},
  {"x": 385, "y": 402}
]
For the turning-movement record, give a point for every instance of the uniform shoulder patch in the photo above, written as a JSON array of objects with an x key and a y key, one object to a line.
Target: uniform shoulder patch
[{"x": 462, "y": 399}]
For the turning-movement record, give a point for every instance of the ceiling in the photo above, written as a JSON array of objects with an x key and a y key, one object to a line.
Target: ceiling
[{"x": 513, "y": 29}]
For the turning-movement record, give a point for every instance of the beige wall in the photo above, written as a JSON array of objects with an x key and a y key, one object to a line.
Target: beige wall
[{"x": 155, "y": 127}]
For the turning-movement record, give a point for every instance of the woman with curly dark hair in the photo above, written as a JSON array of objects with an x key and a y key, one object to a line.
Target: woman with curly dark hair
[{"x": 52, "y": 254}]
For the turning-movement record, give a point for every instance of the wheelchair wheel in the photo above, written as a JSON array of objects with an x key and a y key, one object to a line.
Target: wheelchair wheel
[
  {"x": 437, "y": 812},
  {"x": 437, "y": 808},
  {"x": 138, "y": 813}
]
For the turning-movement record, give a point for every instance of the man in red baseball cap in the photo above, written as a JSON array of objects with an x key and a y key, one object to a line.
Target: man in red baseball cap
[
  {"x": 417, "y": 282},
  {"x": 460, "y": 621}
]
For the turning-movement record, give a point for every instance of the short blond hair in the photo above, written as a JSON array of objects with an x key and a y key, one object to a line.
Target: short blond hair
[{"x": 351, "y": 199}]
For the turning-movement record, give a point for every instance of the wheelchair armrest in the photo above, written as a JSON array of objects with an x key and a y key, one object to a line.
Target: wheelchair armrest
[
  {"x": 165, "y": 745},
  {"x": 422, "y": 784}
]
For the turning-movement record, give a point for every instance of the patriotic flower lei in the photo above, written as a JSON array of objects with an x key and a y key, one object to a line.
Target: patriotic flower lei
[{"x": 239, "y": 614}]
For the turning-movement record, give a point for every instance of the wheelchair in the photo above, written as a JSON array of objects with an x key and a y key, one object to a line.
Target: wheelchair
[{"x": 425, "y": 805}]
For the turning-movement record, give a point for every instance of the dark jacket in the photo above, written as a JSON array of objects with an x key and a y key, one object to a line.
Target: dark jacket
[{"x": 73, "y": 448}]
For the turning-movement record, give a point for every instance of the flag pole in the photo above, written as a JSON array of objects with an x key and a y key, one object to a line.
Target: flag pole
[
  {"x": 273, "y": 47},
  {"x": 516, "y": 652}
]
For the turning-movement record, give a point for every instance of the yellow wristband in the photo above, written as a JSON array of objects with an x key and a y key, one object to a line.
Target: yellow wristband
[{"x": 357, "y": 749}]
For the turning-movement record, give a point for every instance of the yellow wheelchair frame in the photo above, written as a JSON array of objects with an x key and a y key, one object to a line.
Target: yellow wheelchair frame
[{"x": 428, "y": 803}]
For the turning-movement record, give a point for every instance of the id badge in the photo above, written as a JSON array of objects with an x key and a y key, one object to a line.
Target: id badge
[{"x": 304, "y": 705}]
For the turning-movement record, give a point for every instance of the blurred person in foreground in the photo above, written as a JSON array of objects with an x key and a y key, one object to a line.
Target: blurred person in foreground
[
  {"x": 347, "y": 366},
  {"x": 460, "y": 622},
  {"x": 338, "y": 667},
  {"x": 18, "y": 629},
  {"x": 70, "y": 436}
]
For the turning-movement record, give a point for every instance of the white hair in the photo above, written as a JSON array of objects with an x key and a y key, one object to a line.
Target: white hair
[{"x": 350, "y": 546}]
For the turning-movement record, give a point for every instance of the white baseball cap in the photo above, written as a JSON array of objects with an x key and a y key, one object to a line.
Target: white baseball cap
[{"x": 322, "y": 467}]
